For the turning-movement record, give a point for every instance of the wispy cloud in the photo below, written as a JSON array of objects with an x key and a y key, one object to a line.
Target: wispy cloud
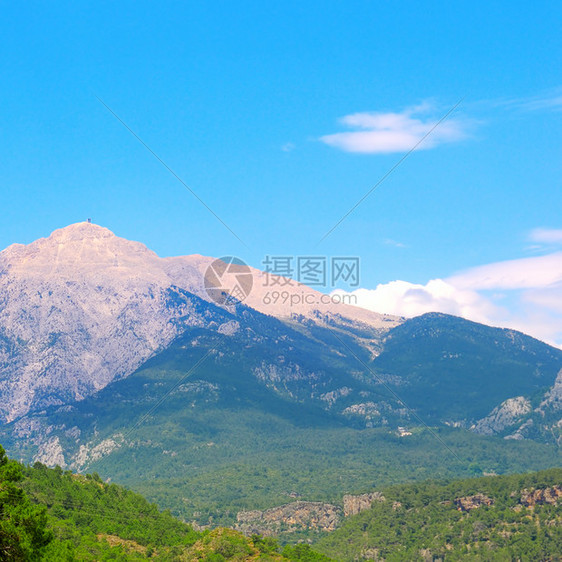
[
  {"x": 288, "y": 147},
  {"x": 551, "y": 100},
  {"x": 546, "y": 236},
  {"x": 395, "y": 243},
  {"x": 396, "y": 132},
  {"x": 524, "y": 273}
]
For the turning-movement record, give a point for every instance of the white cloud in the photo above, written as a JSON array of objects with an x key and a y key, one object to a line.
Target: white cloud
[
  {"x": 288, "y": 147},
  {"x": 546, "y": 235},
  {"x": 396, "y": 132},
  {"x": 409, "y": 299},
  {"x": 527, "y": 296}
]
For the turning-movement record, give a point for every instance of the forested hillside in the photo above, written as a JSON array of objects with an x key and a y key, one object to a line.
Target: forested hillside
[
  {"x": 55, "y": 515},
  {"x": 516, "y": 517}
]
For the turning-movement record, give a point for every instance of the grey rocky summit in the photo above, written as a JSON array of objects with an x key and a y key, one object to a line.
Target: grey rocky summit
[{"x": 84, "y": 307}]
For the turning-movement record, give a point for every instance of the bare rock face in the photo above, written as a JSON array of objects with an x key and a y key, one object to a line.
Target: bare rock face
[
  {"x": 468, "y": 503},
  {"x": 522, "y": 421},
  {"x": 352, "y": 505},
  {"x": 84, "y": 307},
  {"x": 51, "y": 453},
  {"x": 289, "y": 518},
  {"x": 504, "y": 416},
  {"x": 304, "y": 516}
]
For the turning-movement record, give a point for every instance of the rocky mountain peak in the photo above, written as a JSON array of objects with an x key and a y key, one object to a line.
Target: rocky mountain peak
[
  {"x": 76, "y": 232},
  {"x": 80, "y": 231},
  {"x": 77, "y": 310},
  {"x": 79, "y": 246},
  {"x": 83, "y": 307}
]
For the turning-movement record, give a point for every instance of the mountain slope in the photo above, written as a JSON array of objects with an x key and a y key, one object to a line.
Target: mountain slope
[
  {"x": 78, "y": 310},
  {"x": 92, "y": 520},
  {"x": 224, "y": 422},
  {"x": 455, "y": 370}
]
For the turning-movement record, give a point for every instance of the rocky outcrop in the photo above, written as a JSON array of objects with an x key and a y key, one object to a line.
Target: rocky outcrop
[
  {"x": 366, "y": 409},
  {"x": 333, "y": 396},
  {"x": 530, "y": 498},
  {"x": 468, "y": 503},
  {"x": 289, "y": 518},
  {"x": 504, "y": 416},
  {"x": 51, "y": 453},
  {"x": 275, "y": 374},
  {"x": 88, "y": 453},
  {"x": 317, "y": 516},
  {"x": 303, "y": 515},
  {"x": 352, "y": 505},
  {"x": 546, "y": 418},
  {"x": 521, "y": 430},
  {"x": 516, "y": 418}
]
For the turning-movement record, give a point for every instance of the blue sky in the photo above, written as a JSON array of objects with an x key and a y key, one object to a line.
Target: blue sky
[{"x": 243, "y": 99}]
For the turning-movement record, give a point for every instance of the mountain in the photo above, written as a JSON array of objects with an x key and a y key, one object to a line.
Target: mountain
[
  {"x": 465, "y": 368},
  {"x": 516, "y": 517},
  {"x": 119, "y": 361},
  {"x": 84, "y": 307}
]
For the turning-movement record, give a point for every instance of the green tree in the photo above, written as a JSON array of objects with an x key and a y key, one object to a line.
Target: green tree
[
  {"x": 304, "y": 553},
  {"x": 23, "y": 526}
]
